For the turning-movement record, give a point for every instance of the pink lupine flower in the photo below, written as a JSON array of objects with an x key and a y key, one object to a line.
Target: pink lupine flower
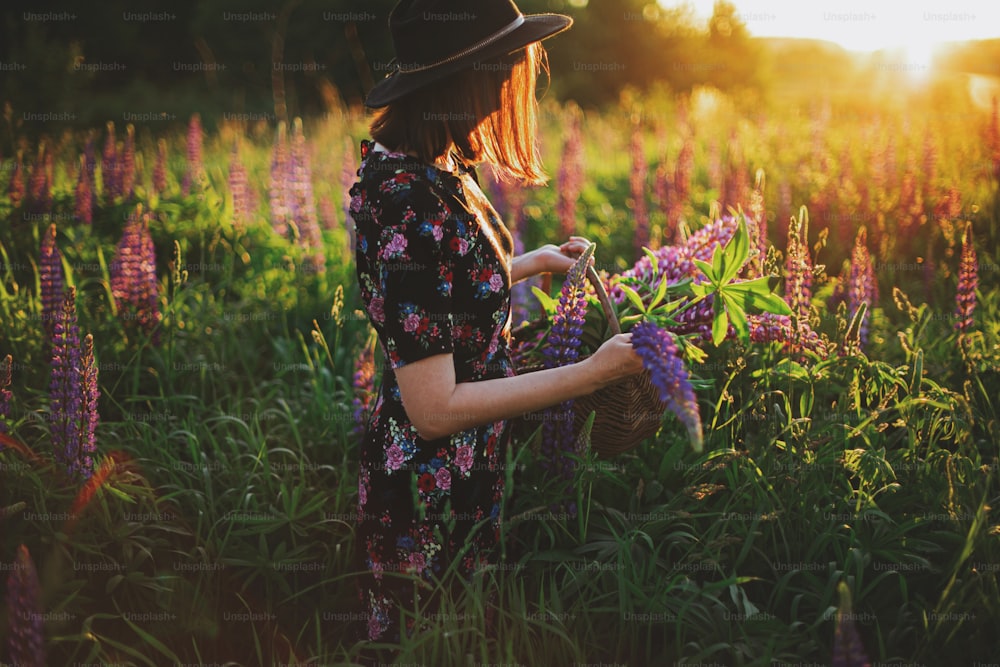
[
  {"x": 83, "y": 207},
  {"x": 968, "y": 281},
  {"x": 570, "y": 176},
  {"x": 109, "y": 166},
  {"x": 160, "y": 169},
  {"x": 637, "y": 185},
  {"x": 126, "y": 170},
  {"x": 194, "y": 168}
]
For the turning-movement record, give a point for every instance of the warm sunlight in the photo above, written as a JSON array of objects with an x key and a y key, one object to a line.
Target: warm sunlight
[{"x": 916, "y": 28}]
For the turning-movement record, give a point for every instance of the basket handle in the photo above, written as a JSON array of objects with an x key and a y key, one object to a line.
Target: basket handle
[{"x": 602, "y": 296}]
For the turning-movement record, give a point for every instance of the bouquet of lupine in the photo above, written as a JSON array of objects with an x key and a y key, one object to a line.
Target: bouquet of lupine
[{"x": 674, "y": 301}]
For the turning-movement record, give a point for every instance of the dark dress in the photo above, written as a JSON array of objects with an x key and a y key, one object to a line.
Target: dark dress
[{"x": 433, "y": 264}]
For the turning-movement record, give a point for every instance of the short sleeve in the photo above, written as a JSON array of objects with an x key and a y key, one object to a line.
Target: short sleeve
[{"x": 415, "y": 258}]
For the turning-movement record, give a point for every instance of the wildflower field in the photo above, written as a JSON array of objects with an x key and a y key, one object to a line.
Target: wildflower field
[{"x": 185, "y": 372}]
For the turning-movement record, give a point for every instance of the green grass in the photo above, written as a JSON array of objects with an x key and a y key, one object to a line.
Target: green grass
[{"x": 223, "y": 532}]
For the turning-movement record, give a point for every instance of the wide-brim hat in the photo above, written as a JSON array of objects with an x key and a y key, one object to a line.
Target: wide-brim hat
[{"x": 435, "y": 38}]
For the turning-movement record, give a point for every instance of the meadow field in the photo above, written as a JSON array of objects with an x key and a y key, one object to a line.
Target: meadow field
[{"x": 185, "y": 370}]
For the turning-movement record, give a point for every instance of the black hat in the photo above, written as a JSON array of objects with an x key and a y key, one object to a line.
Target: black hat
[{"x": 435, "y": 38}]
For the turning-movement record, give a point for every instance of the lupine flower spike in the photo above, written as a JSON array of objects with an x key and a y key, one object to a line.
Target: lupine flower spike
[
  {"x": 570, "y": 177},
  {"x": 83, "y": 208},
  {"x": 73, "y": 393},
  {"x": 160, "y": 168},
  {"x": 861, "y": 285},
  {"x": 280, "y": 206},
  {"x": 109, "y": 166},
  {"x": 16, "y": 188},
  {"x": 51, "y": 279},
  {"x": 304, "y": 204},
  {"x": 659, "y": 356},
  {"x": 637, "y": 184},
  {"x": 194, "y": 166},
  {"x": 39, "y": 184},
  {"x": 239, "y": 188},
  {"x": 25, "y": 645},
  {"x": 848, "y": 651},
  {"x": 133, "y": 275},
  {"x": 798, "y": 267},
  {"x": 6, "y": 367},
  {"x": 348, "y": 175},
  {"x": 968, "y": 281},
  {"x": 564, "y": 348},
  {"x": 126, "y": 170}
]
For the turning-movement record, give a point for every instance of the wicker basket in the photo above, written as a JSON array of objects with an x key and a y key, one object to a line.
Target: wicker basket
[{"x": 626, "y": 413}]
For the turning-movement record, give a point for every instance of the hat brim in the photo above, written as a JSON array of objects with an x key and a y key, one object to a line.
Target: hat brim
[{"x": 535, "y": 28}]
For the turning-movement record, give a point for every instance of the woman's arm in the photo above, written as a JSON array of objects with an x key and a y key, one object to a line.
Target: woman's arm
[{"x": 438, "y": 407}]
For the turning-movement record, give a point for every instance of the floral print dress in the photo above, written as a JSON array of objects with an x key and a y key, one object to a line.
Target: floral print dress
[{"x": 433, "y": 265}]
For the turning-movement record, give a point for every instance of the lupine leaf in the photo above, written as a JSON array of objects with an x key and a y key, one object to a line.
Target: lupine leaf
[{"x": 634, "y": 297}]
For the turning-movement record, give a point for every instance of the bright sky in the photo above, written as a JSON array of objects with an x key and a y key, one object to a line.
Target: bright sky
[{"x": 865, "y": 25}]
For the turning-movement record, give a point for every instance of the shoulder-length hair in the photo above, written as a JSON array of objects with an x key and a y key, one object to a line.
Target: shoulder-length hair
[{"x": 487, "y": 111}]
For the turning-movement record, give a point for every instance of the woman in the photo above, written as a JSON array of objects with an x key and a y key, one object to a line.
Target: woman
[{"x": 435, "y": 267}]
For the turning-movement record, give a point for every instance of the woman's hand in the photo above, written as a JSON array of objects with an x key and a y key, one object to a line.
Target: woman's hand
[
  {"x": 549, "y": 258},
  {"x": 614, "y": 360}
]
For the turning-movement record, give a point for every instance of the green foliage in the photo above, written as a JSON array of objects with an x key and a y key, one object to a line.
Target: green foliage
[{"x": 222, "y": 528}]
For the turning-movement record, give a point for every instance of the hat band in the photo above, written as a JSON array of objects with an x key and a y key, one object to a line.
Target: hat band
[{"x": 500, "y": 34}]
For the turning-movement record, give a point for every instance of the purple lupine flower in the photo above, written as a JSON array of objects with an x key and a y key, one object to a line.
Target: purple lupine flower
[
  {"x": 280, "y": 206},
  {"x": 862, "y": 286},
  {"x": 239, "y": 188},
  {"x": 848, "y": 651},
  {"x": 659, "y": 356},
  {"x": 637, "y": 183},
  {"x": 772, "y": 328},
  {"x": 570, "y": 177},
  {"x": 5, "y": 396},
  {"x": 126, "y": 170},
  {"x": 83, "y": 205},
  {"x": 16, "y": 188},
  {"x": 194, "y": 168},
  {"x": 364, "y": 389},
  {"x": 40, "y": 184},
  {"x": 51, "y": 279},
  {"x": 65, "y": 387},
  {"x": 564, "y": 348},
  {"x": 677, "y": 262},
  {"x": 567, "y": 324},
  {"x": 798, "y": 269},
  {"x": 83, "y": 464},
  {"x": 25, "y": 645},
  {"x": 109, "y": 166},
  {"x": 968, "y": 281},
  {"x": 304, "y": 207},
  {"x": 160, "y": 169},
  {"x": 328, "y": 217},
  {"x": 133, "y": 275},
  {"x": 348, "y": 176}
]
